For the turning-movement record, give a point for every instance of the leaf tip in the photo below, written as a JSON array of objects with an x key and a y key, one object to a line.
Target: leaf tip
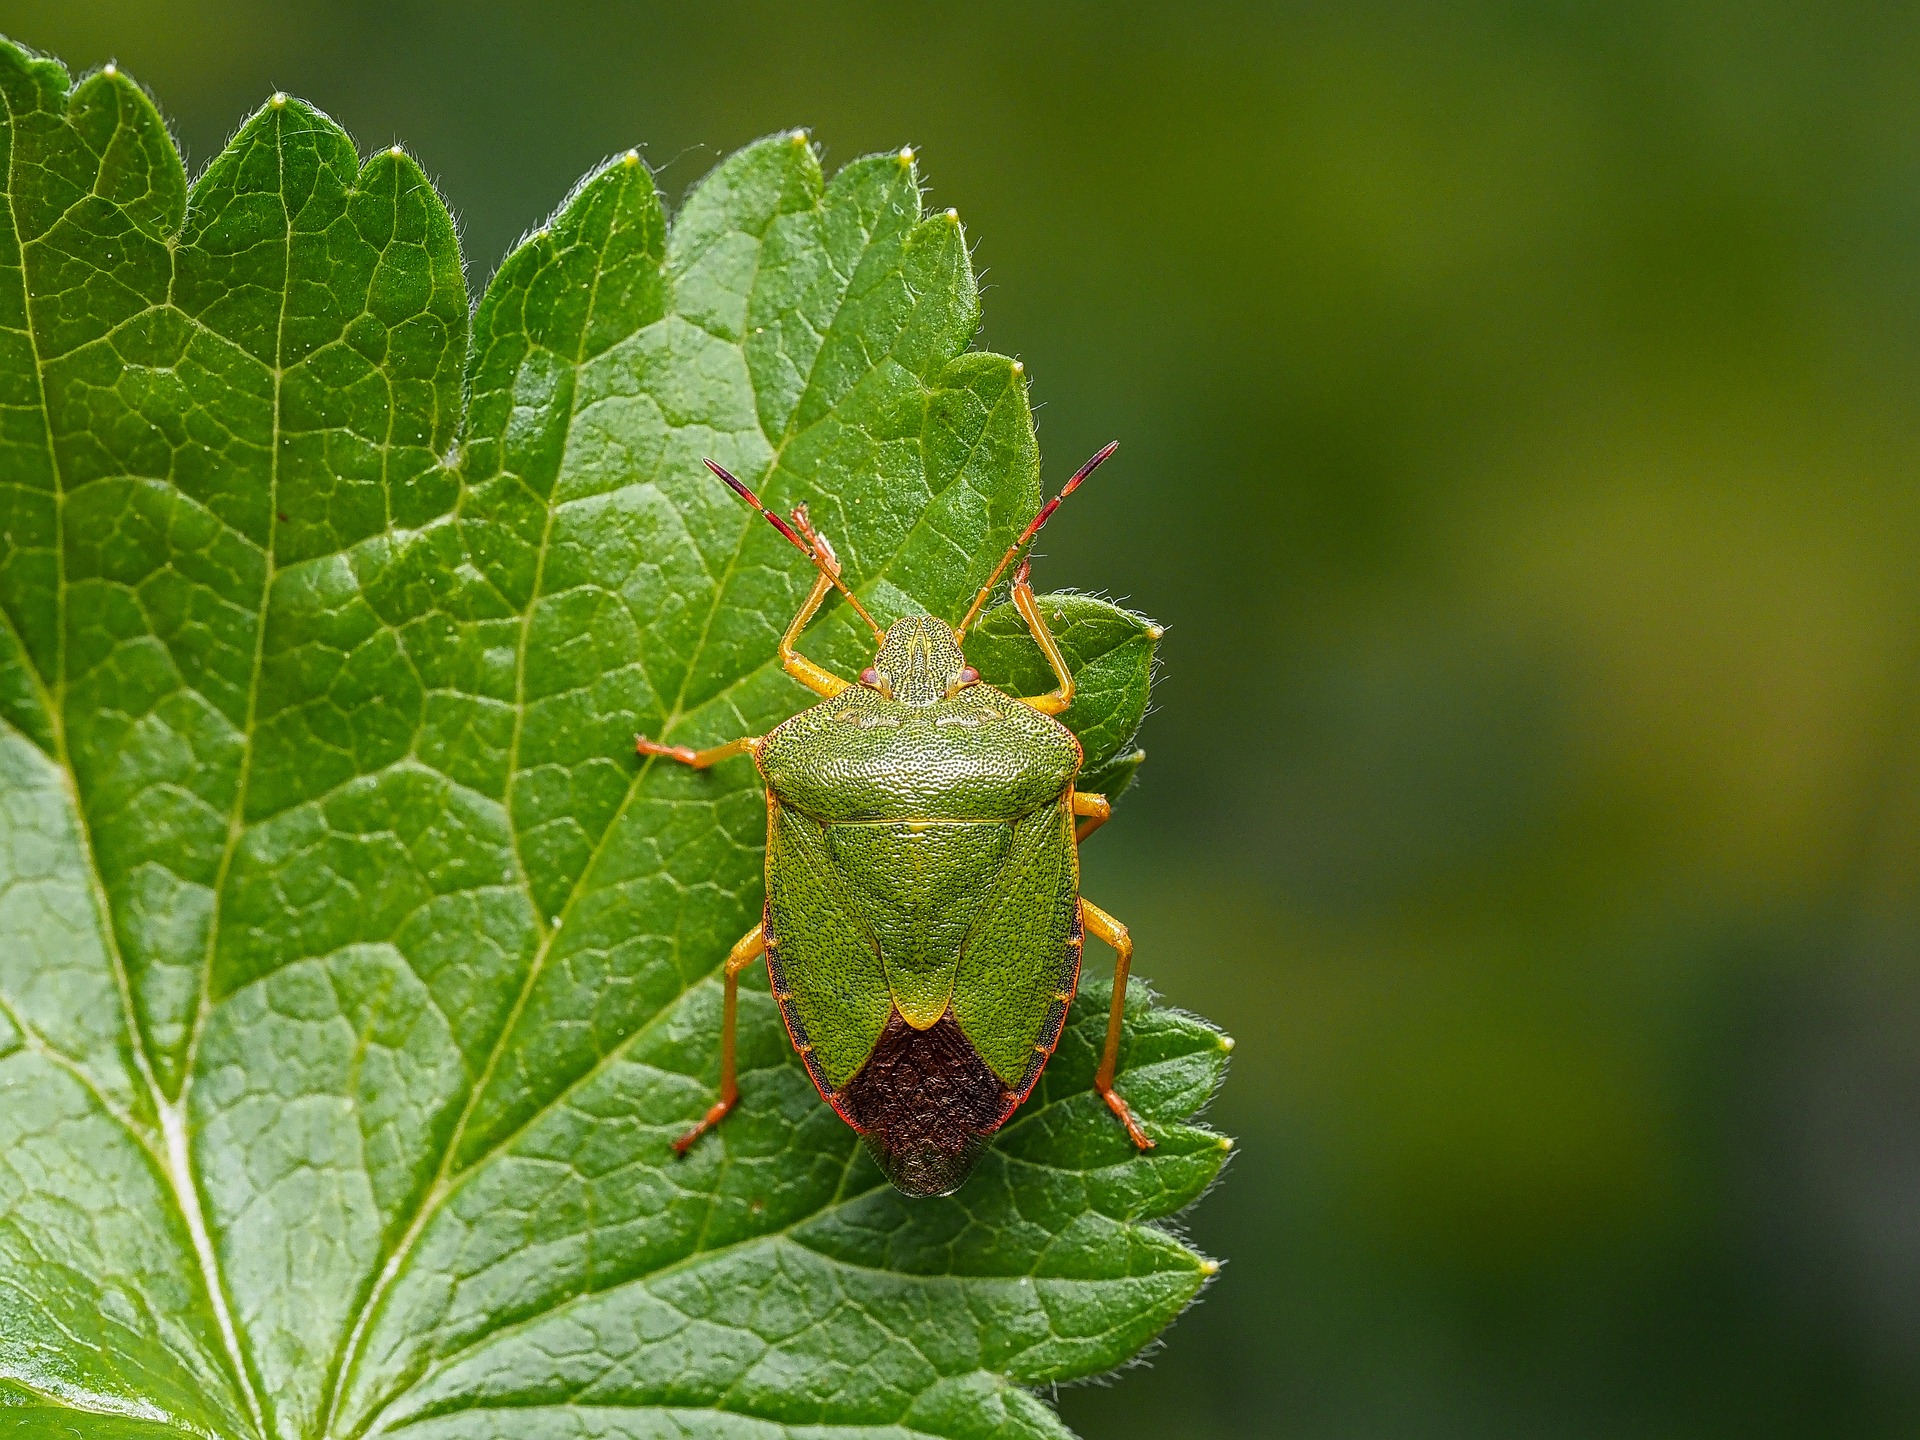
[
  {"x": 798, "y": 137},
  {"x": 953, "y": 217},
  {"x": 1209, "y": 1267},
  {"x": 1019, "y": 367},
  {"x": 1226, "y": 1043},
  {"x": 906, "y": 154},
  {"x": 110, "y": 69},
  {"x": 630, "y": 159},
  {"x": 395, "y": 151},
  {"x": 278, "y": 100}
]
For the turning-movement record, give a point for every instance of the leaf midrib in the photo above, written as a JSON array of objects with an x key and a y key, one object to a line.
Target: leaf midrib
[
  {"x": 174, "y": 1117},
  {"x": 185, "y": 1195},
  {"x": 346, "y": 1353},
  {"x": 444, "y": 1184}
]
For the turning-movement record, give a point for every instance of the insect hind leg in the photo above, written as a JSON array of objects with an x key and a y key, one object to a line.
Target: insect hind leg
[
  {"x": 750, "y": 948},
  {"x": 1115, "y": 934}
]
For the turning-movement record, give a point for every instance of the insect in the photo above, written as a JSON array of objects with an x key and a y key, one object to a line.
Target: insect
[{"x": 923, "y": 924}]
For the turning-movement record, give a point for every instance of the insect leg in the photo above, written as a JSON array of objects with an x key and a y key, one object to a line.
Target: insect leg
[
  {"x": 1096, "y": 810},
  {"x": 817, "y": 678},
  {"x": 1105, "y": 927},
  {"x": 751, "y": 947},
  {"x": 1057, "y": 699},
  {"x": 698, "y": 759}
]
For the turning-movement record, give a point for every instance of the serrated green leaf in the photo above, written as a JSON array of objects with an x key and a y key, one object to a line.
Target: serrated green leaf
[
  {"x": 1114, "y": 778},
  {"x": 354, "y": 976}
]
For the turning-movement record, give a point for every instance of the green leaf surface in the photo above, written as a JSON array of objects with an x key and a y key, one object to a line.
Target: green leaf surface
[
  {"x": 40, "y": 1422},
  {"x": 354, "y": 975}
]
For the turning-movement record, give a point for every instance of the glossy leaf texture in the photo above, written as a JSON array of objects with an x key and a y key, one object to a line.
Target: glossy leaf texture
[{"x": 354, "y": 975}]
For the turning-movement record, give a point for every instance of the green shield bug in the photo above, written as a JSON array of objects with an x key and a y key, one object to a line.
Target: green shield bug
[{"x": 923, "y": 923}]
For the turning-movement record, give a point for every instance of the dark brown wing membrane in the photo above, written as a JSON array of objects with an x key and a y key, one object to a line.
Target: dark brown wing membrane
[{"x": 926, "y": 1104}]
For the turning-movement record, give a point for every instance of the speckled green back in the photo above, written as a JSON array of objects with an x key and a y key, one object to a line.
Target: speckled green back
[
  {"x": 917, "y": 886},
  {"x": 1017, "y": 969},
  {"x": 980, "y": 756},
  {"x": 921, "y": 857},
  {"x": 820, "y": 952}
]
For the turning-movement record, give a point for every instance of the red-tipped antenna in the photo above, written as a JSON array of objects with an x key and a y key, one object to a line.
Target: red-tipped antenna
[
  {"x": 815, "y": 547},
  {"x": 1033, "y": 529}
]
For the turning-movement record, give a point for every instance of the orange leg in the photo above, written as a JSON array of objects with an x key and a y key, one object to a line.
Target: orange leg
[
  {"x": 698, "y": 759},
  {"x": 751, "y": 947},
  {"x": 811, "y": 543},
  {"x": 821, "y": 681},
  {"x": 1096, "y": 810},
  {"x": 817, "y": 678},
  {"x": 1061, "y": 696},
  {"x": 1106, "y": 928}
]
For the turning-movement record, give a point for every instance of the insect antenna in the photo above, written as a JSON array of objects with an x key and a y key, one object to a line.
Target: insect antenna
[
  {"x": 814, "y": 547},
  {"x": 1033, "y": 529}
]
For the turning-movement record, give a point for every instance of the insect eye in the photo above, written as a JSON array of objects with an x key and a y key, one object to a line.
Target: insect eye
[
  {"x": 873, "y": 679},
  {"x": 969, "y": 676}
]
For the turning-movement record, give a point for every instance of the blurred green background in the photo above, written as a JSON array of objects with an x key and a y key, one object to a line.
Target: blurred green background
[{"x": 1521, "y": 422}]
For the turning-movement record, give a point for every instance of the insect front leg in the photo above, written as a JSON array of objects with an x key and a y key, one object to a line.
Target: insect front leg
[
  {"x": 810, "y": 542},
  {"x": 698, "y": 759},
  {"x": 751, "y": 947},
  {"x": 1095, "y": 811},
  {"x": 815, "y": 676},
  {"x": 1105, "y": 927},
  {"x": 1061, "y": 696}
]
